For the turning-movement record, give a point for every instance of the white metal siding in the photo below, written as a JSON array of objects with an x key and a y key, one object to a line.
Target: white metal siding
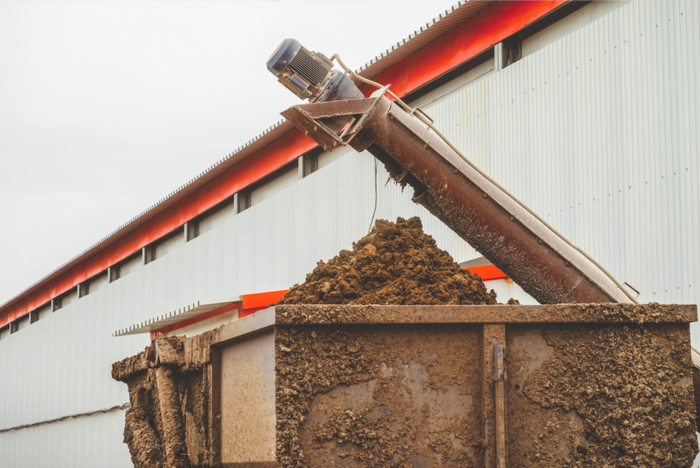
[
  {"x": 69, "y": 297},
  {"x": 97, "y": 283},
  {"x": 171, "y": 243},
  {"x": 132, "y": 264},
  {"x": 597, "y": 132},
  {"x": 44, "y": 311},
  {"x": 210, "y": 220},
  {"x": 23, "y": 322},
  {"x": 282, "y": 179},
  {"x": 89, "y": 441},
  {"x": 572, "y": 22}
]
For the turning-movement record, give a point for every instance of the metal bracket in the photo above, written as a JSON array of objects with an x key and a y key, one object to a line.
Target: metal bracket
[{"x": 334, "y": 123}]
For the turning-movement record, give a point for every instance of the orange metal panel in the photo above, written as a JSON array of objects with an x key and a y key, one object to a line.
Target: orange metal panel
[
  {"x": 487, "y": 272},
  {"x": 262, "y": 300}
]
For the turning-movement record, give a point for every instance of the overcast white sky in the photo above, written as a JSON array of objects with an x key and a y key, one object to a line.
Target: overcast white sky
[{"x": 106, "y": 107}]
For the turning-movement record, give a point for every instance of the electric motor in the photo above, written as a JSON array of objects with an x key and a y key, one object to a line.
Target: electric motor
[{"x": 304, "y": 72}]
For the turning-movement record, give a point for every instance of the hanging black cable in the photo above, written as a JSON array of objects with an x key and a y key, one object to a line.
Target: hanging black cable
[{"x": 375, "y": 196}]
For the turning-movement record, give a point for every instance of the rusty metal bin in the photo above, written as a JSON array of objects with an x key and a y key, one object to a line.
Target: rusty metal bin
[{"x": 450, "y": 386}]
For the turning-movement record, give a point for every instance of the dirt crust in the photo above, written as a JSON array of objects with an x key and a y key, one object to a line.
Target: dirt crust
[
  {"x": 396, "y": 263},
  {"x": 167, "y": 424},
  {"x": 371, "y": 396},
  {"x": 632, "y": 387},
  {"x": 610, "y": 313}
]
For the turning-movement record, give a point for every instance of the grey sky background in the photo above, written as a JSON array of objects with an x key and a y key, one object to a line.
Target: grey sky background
[{"x": 106, "y": 107}]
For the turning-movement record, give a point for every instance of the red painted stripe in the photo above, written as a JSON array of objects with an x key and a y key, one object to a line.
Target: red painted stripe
[
  {"x": 193, "y": 320},
  {"x": 467, "y": 40},
  {"x": 487, "y": 272}
]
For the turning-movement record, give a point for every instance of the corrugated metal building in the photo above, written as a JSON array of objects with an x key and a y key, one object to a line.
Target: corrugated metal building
[{"x": 587, "y": 112}]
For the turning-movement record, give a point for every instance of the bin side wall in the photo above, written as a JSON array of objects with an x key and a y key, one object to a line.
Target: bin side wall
[
  {"x": 379, "y": 394},
  {"x": 597, "y": 395}
]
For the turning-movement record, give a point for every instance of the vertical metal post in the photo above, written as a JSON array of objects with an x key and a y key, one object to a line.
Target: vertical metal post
[
  {"x": 83, "y": 289},
  {"x": 300, "y": 161},
  {"x": 214, "y": 373},
  {"x": 511, "y": 50},
  {"x": 500, "y": 404},
  {"x": 493, "y": 395},
  {"x": 149, "y": 253},
  {"x": 498, "y": 56}
]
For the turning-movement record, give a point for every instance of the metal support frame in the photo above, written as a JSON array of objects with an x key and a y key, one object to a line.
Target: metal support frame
[
  {"x": 34, "y": 315},
  {"x": 511, "y": 50},
  {"x": 242, "y": 200},
  {"x": 498, "y": 57},
  {"x": 300, "y": 165},
  {"x": 308, "y": 162},
  {"x": 115, "y": 272},
  {"x": 191, "y": 229},
  {"x": 148, "y": 253}
]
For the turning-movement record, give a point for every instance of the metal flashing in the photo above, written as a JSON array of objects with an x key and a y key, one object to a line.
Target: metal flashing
[
  {"x": 171, "y": 318},
  {"x": 438, "y": 26}
]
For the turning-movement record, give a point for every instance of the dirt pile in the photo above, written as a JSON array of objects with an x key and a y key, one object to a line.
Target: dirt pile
[{"x": 396, "y": 263}]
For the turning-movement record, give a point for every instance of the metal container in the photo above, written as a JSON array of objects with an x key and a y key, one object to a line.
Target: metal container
[{"x": 452, "y": 386}]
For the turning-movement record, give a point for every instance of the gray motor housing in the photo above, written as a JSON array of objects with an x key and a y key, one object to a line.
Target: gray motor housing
[{"x": 304, "y": 72}]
